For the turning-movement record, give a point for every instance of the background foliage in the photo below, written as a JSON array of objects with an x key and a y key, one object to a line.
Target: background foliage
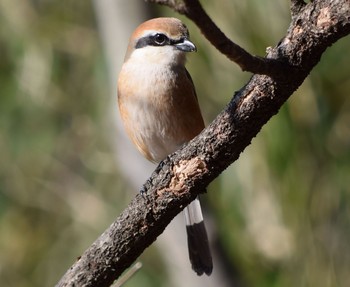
[{"x": 281, "y": 211}]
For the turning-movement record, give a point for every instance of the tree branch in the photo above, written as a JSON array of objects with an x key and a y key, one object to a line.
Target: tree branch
[
  {"x": 187, "y": 172},
  {"x": 247, "y": 62},
  {"x": 296, "y": 6}
]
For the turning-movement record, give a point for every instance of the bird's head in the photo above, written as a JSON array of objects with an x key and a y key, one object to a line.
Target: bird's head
[{"x": 161, "y": 41}]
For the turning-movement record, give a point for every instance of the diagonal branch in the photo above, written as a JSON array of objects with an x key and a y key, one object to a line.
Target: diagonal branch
[
  {"x": 247, "y": 62},
  {"x": 185, "y": 173}
]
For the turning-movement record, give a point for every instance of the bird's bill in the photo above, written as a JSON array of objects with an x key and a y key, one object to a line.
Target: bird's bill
[{"x": 186, "y": 46}]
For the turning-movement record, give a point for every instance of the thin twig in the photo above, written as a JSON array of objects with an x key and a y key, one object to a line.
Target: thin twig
[
  {"x": 131, "y": 272},
  {"x": 247, "y": 62}
]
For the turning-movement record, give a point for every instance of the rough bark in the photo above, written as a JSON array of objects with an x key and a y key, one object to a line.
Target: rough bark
[{"x": 314, "y": 27}]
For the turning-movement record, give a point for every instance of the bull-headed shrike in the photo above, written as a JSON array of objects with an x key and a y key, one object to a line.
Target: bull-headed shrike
[{"x": 160, "y": 111}]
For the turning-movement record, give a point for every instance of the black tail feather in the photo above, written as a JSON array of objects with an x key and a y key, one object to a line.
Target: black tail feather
[{"x": 198, "y": 248}]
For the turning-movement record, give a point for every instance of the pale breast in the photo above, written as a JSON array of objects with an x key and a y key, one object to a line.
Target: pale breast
[{"x": 159, "y": 108}]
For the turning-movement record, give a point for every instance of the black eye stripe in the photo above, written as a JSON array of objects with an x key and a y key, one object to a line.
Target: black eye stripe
[
  {"x": 153, "y": 40},
  {"x": 143, "y": 42}
]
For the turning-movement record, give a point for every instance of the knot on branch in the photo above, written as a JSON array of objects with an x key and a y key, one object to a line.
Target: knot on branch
[{"x": 184, "y": 171}]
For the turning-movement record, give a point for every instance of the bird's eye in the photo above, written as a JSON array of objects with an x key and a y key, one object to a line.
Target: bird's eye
[{"x": 160, "y": 39}]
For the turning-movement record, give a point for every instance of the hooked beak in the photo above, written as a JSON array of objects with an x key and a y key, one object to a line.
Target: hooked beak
[{"x": 186, "y": 46}]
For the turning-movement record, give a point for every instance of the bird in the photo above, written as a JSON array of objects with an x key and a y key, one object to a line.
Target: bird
[{"x": 160, "y": 110}]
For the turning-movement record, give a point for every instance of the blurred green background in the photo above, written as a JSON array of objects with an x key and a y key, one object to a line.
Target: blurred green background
[{"x": 280, "y": 213}]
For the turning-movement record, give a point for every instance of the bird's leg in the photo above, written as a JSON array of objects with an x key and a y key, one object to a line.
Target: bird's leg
[
  {"x": 148, "y": 182},
  {"x": 145, "y": 187}
]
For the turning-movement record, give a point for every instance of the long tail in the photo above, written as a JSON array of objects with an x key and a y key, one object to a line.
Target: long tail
[{"x": 197, "y": 239}]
